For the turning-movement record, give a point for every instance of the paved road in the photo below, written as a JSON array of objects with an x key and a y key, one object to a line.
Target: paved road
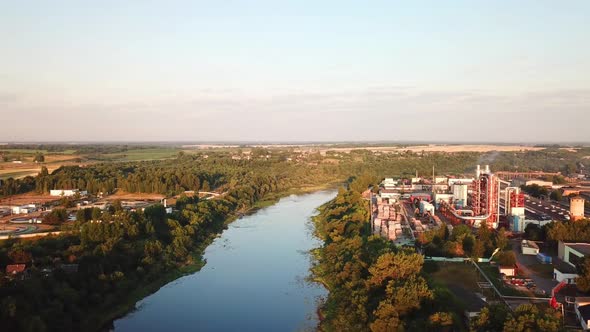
[
  {"x": 547, "y": 207},
  {"x": 543, "y": 283}
]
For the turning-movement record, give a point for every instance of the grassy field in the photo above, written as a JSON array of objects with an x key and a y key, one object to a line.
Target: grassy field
[
  {"x": 142, "y": 154},
  {"x": 453, "y": 275},
  {"x": 18, "y": 174}
]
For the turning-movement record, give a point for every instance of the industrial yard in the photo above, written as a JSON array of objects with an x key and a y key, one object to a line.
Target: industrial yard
[{"x": 482, "y": 198}]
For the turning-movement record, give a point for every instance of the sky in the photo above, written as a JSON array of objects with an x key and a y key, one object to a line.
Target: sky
[{"x": 288, "y": 71}]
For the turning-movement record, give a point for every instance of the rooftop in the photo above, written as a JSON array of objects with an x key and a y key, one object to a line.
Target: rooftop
[
  {"x": 564, "y": 267},
  {"x": 529, "y": 244},
  {"x": 585, "y": 312},
  {"x": 583, "y": 248},
  {"x": 15, "y": 268}
]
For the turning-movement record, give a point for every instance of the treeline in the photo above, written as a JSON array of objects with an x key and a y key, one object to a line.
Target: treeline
[
  {"x": 526, "y": 317},
  {"x": 373, "y": 286},
  {"x": 170, "y": 177},
  {"x": 11, "y": 186},
  {"x": 77, "y": 148},
  {"x": 547, "y": 160},
  {"x": 190, "y": 172},
  {"x": 463, "y": 242}
]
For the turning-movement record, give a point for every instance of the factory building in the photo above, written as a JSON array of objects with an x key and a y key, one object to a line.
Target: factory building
[
  {"x": 389, "y": 184},
  {"x": 577, "y": 208},
  {"x": 460, "y": 192},
  {"x": 569, "y": 256},
  {"x": 66, "y": 192},
  {"x": 540, "y": 183}
]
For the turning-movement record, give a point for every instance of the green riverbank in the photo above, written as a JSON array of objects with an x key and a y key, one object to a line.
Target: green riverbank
[{"x": 106, "y": 318}]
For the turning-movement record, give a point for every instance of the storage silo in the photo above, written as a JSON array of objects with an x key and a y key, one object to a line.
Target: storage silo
[
  {"x": 460, "y": 193},
  {"x": 577, "y": 208}
]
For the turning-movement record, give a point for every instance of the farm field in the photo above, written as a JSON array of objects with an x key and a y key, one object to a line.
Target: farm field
[
  {"x": 122, "y": 195},
  {"x": 27, "y": 198},
  {"x": 142, "y": 154}
]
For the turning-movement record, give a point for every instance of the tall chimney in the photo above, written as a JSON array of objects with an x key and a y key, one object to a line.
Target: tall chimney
[
  {"x": 488, "y": 169},
  {"x": 478, "y": 172}
]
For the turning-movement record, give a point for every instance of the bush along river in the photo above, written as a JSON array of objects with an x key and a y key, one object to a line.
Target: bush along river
[{"x": 255, "y": 278}]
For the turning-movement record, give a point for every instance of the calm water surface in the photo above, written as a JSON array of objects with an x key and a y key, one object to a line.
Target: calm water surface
[{"x": 254, "y": 279}]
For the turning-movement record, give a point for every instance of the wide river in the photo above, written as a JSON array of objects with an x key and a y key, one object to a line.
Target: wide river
[{"x": 254, "y": 279}]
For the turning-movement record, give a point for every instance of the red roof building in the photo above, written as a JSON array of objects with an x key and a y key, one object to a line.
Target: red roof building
[{"x": 15, "y": 268}]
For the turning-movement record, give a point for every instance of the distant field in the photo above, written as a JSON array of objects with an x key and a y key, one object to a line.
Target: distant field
[
  {"x": 28, "y": 167},
  {"x": 27, "y": 198},
  {"x": 33, "y": 151},
  {"x": 142, "y": 154},
  {"x": 17, "y": 174},
  {"x": 122, "y": 195},
  {"x": 430, "y": 148}
]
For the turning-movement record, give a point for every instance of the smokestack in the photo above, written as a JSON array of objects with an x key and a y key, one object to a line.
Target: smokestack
[
  {"x": 165, "y": 203},
  {"x": 488, "y": 169},
  {"x": 478, "y": 171}
]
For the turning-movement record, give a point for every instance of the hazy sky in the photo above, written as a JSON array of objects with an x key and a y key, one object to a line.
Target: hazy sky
[{"x": 295, "y": 70}]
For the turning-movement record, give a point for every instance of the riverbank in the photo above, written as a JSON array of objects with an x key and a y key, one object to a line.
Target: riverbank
[{"x": 107, "y": 318}]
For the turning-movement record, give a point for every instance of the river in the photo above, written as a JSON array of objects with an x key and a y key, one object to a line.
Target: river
[{"x": 254, "y": 279}]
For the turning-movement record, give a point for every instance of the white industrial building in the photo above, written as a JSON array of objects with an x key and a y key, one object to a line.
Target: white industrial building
[
  {"x": 460, "y": 181},
  {"x": 389, "y": 183},
  {"x": 66, "y": 192},
  {"x": 529, "y": 247},
  {"x": 539, "y": 183},
  {"x": 569, "y": 255},
  {"x": 392, "y": 195},
  {"x": 582, "y": 308},
  {"x": 24, "y": 209}
]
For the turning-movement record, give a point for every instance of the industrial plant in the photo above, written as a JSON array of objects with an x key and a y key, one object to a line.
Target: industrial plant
[{"x": 405, "y": 207}]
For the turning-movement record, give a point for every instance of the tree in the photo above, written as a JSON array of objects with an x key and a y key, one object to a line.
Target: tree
[
  {"x": 395, "y": 266},
  {"x": 459, "y": 231},
  {"x": 491, "y": 318},
  {"x": 39, "y": 158},
  {"x": 44, "y": 171},
  {"x": 386, "y": 318},
  {"x": 20, "y": 256},
  {"x": 506, "y": 258},
  {"x": 56, "y": 216},
  {"x": 527, "y": 317},
  {"x": 478, "y": 249},
  {"x": 533, "y": 232},
  {"x": 205, "y": 186},
  {"x": 441, "y": 321},
  {"x": 556, "y": 195},
  {"x": 468, "y": 244},
  {"x": 501, "y": 239},
  {"x": 81, "y": 215},
  {"x": 157, "y": 217},
  {"x": 96, "y": 214},
  {"x": 583, "y": 281},
  {"x": 117, "y": 206}
]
